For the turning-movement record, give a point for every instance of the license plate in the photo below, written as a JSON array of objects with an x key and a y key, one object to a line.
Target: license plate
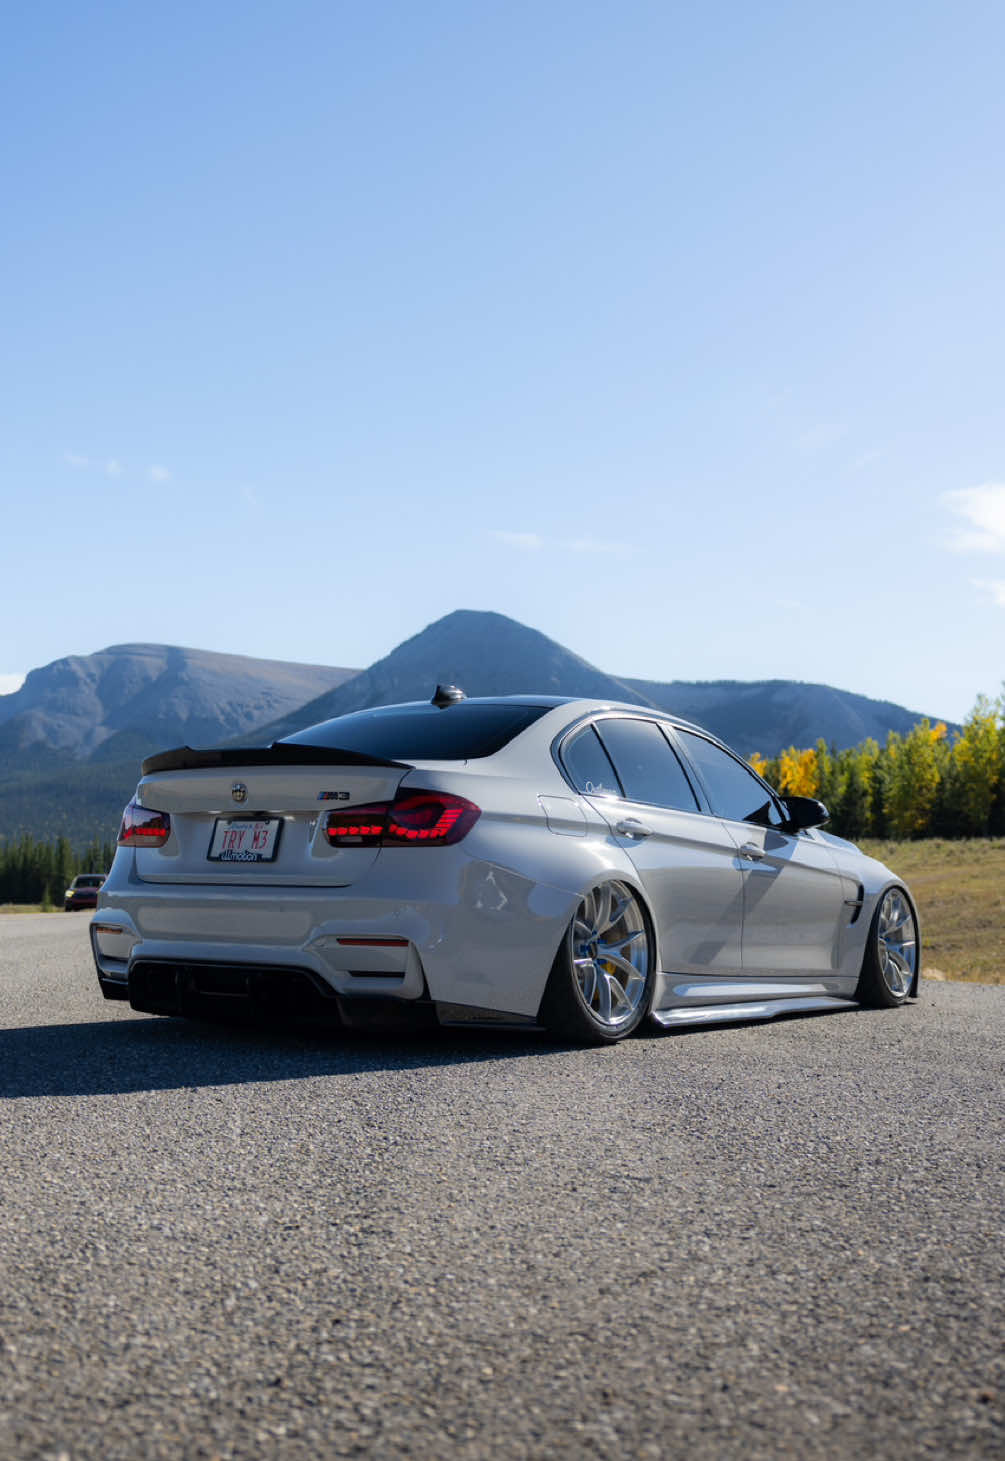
[{"x": 245, "y": 839}]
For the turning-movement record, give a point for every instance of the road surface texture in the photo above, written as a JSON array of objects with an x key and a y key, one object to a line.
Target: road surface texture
[{"x": 777, "y": 1240}]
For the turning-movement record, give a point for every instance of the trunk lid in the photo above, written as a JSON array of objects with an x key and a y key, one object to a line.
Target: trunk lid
[{"x": 257, "y": 817}]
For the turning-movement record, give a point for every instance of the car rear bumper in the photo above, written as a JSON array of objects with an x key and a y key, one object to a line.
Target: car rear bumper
[{"x": 487, "y": 945}]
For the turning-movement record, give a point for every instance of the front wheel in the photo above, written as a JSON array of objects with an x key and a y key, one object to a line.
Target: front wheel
[
  {"x": 601, "y": 983},
  {"x": 890, "y": 966}
]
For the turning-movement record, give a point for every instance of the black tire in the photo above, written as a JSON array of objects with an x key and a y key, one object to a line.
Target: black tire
[
  {"x": 596, "y": 994},
  {"x": 892, "y": 961}
]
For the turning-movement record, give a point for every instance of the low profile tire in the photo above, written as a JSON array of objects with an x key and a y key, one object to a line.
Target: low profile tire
[
  {"x": 890, "y": 967},
  {"x": 601, "y": 983}
]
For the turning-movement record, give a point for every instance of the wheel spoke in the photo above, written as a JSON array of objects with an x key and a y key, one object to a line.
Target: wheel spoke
[
  {"x": 619, "y": 998},
  {"x": 603, "y": 997},
  {"x": 617, "y": 912},
  {"x": 602, "y": 908},
  {"x": 609, "y": 957},
  {"x": 586, "y": 971},
  {"x": 629, "y": 938}
]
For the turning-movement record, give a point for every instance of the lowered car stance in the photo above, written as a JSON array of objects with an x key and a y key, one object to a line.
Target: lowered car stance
[{"x": 521, "y": 860}]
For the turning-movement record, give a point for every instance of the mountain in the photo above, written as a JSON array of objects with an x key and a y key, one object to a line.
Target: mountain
[
  {"x": 767, "y": 715},
  {"x": 72, "y": 737},
  {"x": 133, "y": 698},
  {"x": 483, "y": 653}
]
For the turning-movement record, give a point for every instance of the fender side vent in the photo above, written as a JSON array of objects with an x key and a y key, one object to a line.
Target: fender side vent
[{"x": 855, "y": 904}]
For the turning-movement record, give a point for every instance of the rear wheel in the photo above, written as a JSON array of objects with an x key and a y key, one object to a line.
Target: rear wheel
[
  {"x": 601, "y": 983},
  {"x": 890, "y": 966}
]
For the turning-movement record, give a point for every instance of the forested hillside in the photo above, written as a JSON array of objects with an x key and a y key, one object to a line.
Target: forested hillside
[{"x": 928, "y": 783}]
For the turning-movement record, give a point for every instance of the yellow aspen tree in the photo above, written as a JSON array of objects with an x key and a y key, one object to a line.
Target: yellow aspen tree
[{"x": 798, "y": 773}]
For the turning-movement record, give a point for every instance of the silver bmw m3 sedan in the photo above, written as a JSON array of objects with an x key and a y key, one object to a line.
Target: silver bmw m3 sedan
[{"x": 521, "y": 860}]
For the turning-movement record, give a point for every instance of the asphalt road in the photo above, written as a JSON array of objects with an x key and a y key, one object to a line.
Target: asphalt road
[{"x": 750, "y": 1241}]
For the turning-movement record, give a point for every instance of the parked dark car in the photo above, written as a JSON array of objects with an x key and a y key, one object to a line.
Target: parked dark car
[{"x": 83, "y": 892}]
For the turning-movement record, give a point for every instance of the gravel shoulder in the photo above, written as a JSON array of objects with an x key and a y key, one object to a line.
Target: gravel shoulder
[{"x": 759, "y": 1241}]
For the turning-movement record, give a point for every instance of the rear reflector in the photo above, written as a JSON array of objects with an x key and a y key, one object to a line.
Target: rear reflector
[
  {"x": 142, "y": 827},
  {"x": 375, "y": 943},
  {"x": 414, "y": 818}
]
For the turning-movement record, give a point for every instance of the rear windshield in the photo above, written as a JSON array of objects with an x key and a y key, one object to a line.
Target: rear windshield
[{"x": 423, "y": 732}]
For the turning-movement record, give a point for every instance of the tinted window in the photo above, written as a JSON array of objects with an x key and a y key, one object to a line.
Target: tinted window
[
  {"x": 587, "y": 763},
  {"x": 733, "y": 790},
  {"x": 423, "y": 732},
  {"x": 646, "y": 764}
]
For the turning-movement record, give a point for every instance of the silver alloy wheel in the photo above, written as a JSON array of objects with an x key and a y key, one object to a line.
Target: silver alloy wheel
[
  {"x": 897, "y": 942},
  {"x": 610, "y": 954}
]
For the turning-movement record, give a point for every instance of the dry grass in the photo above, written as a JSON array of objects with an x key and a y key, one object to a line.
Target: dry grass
[
  {"x": 25, "y": 908},
  {"x": 960, "y": 891}
]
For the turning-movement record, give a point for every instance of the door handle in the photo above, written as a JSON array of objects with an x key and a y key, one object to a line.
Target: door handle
[
  {"x": 632, "y": 827},
  {"x": 749, "y": 849}
]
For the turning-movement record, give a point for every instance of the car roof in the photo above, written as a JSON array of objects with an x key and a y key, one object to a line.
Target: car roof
[{"x": 584, "y": 706}]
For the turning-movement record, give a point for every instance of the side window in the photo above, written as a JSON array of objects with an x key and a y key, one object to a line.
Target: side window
[
  {"x": 589, "y": 766},
  {"x": 733, "y": 790},
  {"x": 646, "y": 764}
]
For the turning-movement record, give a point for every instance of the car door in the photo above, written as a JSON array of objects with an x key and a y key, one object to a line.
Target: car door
[
  {"x": 793, "y": 891},
  {"x": 686, "y": 861}
]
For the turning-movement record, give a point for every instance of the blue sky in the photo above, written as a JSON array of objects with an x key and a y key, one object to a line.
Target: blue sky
[{"x": 673, "y": 331}]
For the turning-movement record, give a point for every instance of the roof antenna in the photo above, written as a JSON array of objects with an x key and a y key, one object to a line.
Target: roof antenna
[{"x": 447, "y": 695}]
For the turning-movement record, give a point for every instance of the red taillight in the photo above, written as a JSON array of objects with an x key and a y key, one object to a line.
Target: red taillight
[
  {"x": 414, "y": 818},
  {"x": 360, "y": 827},
  {"x": 142, "y": 827},
  {"x": 435, "y": 818}
]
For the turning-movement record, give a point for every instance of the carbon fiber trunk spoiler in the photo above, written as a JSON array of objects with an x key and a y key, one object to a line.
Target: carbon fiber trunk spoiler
[{"x": 280, "y": 753}]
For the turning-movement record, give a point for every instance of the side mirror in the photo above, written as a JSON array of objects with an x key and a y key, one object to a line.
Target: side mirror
[{"x": 804, "y": 812}]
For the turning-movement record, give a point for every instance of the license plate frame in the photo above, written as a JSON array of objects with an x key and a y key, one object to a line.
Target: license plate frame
[{"x": 261, "y": 846}]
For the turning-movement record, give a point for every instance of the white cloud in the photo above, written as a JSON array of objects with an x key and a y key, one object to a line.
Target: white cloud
[
  {"x": 526, "y": 542},
  {"x": 250, "y": 496},
  {"x": 113, "y": 468},
  {"x": 10, "y": 683},
  {"x": 158, "y": 474},
  {"x": 599, "y": 545},
  {"x": 983, "y": 509},
  {"x": 75, "y": 459},
  {"x": 993, "y": 587}
]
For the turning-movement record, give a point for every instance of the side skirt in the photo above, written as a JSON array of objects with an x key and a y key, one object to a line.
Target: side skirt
[{"x": 765, "y": 1009}]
